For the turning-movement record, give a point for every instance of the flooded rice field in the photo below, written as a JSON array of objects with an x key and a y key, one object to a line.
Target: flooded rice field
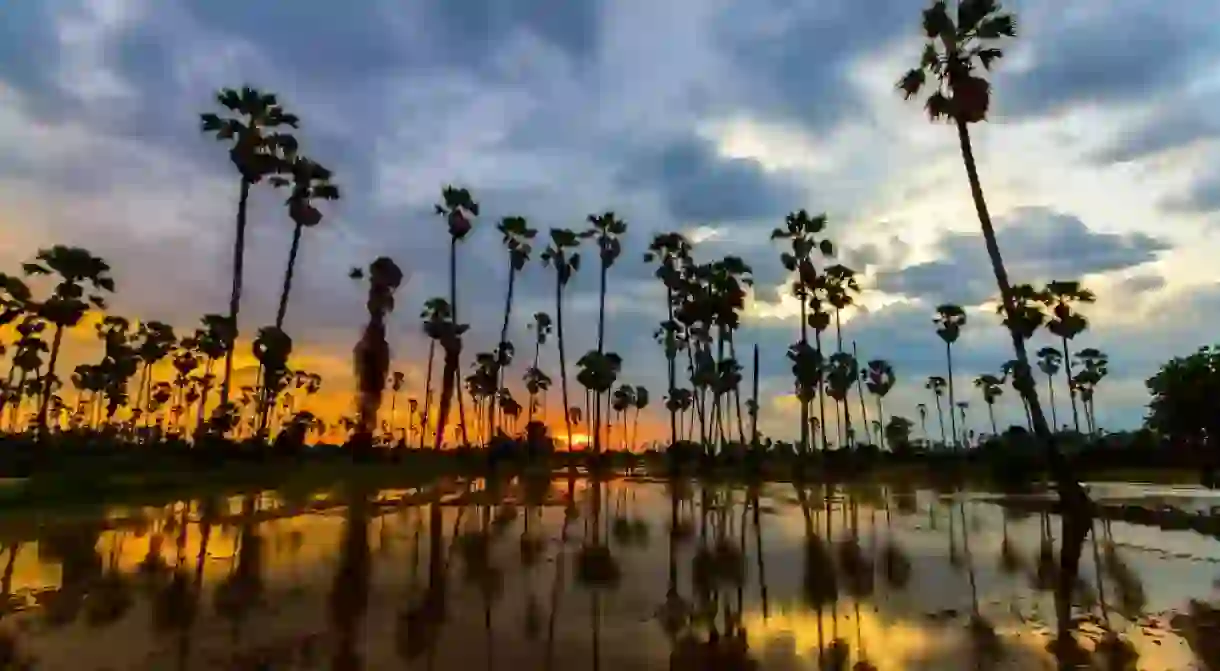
[{"x": 635, "y": 574}]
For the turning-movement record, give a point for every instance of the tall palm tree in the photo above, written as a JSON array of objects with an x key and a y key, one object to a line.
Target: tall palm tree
[
  {"x": 879, "y": 378},
  {"x": 516, "y": 236},
  {"x": 1009, "y": 369},
  {"x": 72, "y": 267},
  {"x": 309, "y": 182},
  {"x": 156, "y": 339},
  {"x": 949, "y": 321},
  {"x": 842, "y": 372},
  {"x": 212, "y": 340},
  {"x": 936, "y": 384},
  {"x": 641, "y": 402},
  {"x": 1049, "y": 359},
  {"x": 991, "y": 388},
  {"x": 458, "y": 208},
  {"x": 561, "y": 254},
  {"x": 962, "y": 96},
  {"x": 372, "y": 353},
  {"x": 253, "y": 124},
  {"x": 396, "y": 381},
  {"x": 1065, "y": 322},
  {"x": 622, "y": 401},
  {"x": 537, "y": 381},
  {"x": 605, "y": 229},
  {"x": 839, "y": 285},
  {"x": 671, "y": 251},
  {"x": 923, "y": 420},
  {"x": 439, "y": 327},
  {"x": 803, "y": 230},
  {"x": 962, "y": 407}
]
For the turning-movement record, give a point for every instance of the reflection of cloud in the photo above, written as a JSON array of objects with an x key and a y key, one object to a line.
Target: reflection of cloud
[{"x": 890, "y": 644}]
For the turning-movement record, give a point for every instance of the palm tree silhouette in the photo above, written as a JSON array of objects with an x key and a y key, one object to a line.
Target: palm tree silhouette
[
  {"x": 396, "y": 381},
  {"x": 991, "y": 388},
  {"x": 641, "y": 402},
  {"x": 1049, "y": 360},
  {"x": 516, "y": 238},
  {"x": 841, "y": 373},
  {"x": 458, "y": 209},
  {"x": 923, "y": 420},
  {"x": 949, "y": 321},
  {"x": 537, "y": 381},
  {"x": 671, "y": 251},
  {"x": 936, "y": 384},
  {"x": 879, "y": 378},
  {"x": 962, "y": 406},
  {"x": 1066, "y": 323},
  {"x": 961, "y": 95},
  {"x": 802, "y": 231},
  {"x": 372, "y": 353},
  {"x": 839, "y": 285},
  {"x": 253, "y": 127},
  {"x": 309, "y": 182},
  {"x": 439, "y": 325},
  {"x": 605, "y": 230},
  {"x": 435, "y": 315},
  {"x": 623, "y": 399},
  {"x": 1010, "y": 371},
  {"x": 1096, "y": 365},
  {"x": 561, "y": 254},
  {"x": 212, "y": 341},
  {"x": 68, "y": 303}
]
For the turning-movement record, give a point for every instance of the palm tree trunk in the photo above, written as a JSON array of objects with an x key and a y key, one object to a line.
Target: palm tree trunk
[
  {"x": 563, "y": 360},
  {"x": 423, "y": 422},
  {"x": 952, "y": 399},
  {"x": 881, "y": 417},
  {"x": 1076, "y": 503},
  {"x": 239, "y": 251},
  {"x": 868, "y": 437},
  {"x": 9, "y": 393},
  {"x": 804, "y": 403},
  {"x": 1067, "y": 369},
  {"x": 754, "y": 411},
  {"x": 601, "y": 341},
  {"x": 673, "y": 372},
  {"x": 508, "y": 310},
  {"x": 741, "y": 432},
  {"x": 203, "y": 400},
  {"x": 991, "y": 413},
  {"x": 453, "y": 311},
  {"x": 1050, "y": 387},
  {"x": 282, "y": 311},
  {"x": 940, "y": 414},
  {"x": 817, "y": 338},
  {"x": 46, "y": 387}
]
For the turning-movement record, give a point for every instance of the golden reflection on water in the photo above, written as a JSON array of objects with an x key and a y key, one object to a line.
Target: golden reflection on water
[{"x": 291, "y": 578}]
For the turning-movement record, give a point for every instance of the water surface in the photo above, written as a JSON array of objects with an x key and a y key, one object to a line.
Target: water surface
[{"x": 472, "y": 575}]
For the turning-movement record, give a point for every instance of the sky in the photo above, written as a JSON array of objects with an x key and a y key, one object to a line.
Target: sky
[{"x": 713, "y": 117}]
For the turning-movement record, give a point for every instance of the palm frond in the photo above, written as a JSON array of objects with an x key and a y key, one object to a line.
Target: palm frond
[
  {"x": 911, "y": 83},
  {"x": 938, "y": 107}
]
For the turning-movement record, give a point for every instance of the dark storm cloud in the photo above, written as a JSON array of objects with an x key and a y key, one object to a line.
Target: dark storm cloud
[
  {"x": 1136, "y": 53},
  {"x": 1038, "y": 244}
]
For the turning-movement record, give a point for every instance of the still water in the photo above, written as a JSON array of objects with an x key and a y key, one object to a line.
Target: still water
[{"x": 475, "y": 575}]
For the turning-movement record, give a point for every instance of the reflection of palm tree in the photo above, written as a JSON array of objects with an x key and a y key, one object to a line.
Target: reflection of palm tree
[{"x": 350, "y": 590}]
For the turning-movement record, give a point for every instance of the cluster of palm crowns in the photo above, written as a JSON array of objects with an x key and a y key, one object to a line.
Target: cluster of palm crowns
[{"x": 704, "y": 303}]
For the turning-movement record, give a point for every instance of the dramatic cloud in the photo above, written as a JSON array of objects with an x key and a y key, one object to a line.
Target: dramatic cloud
[
  {"x": 1038, "y": 245},
  {"x": 712, "y": 118}
]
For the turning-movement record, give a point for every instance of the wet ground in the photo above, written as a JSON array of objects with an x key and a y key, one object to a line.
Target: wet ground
[{"x": 508, "y": 576}]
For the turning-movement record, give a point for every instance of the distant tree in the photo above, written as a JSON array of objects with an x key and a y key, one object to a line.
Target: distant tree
[
  {"x": 517, "y": 237},
  {"x": 671, "y": 252},
  {"x": 458, "y": 209},
  {"x": 879, "y": 378},
  {"x": 562, "y": 255},
  {"x": 1066, "y": 322},
  {"x": 992, "y": 389},
  {"x": 1049, "y": 360},
  {"x": 898, "y": 433},
  {"x": 936, "y": 384},
  {"x": 949, "y": 321},
  {"x": 308, "y": 181},
  {"x": 1183, "y": 406}
]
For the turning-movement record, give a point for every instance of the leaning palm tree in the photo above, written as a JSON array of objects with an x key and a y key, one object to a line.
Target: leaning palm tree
[
  {"x": 936, "y": 384},
  {"x": 960, "y": 94},
  {"x": 949, "y": 321},
  {"x": 991, "y": 388},
  {"x": 561, "y": 254},
  {"x": 802, "y": 230},
  {"x": 253, "y": 127},
  {"x": 458, "y": 208},
  {"x": 1049, "y": 359},
  {"x": 516, "y": 236},
  {"x": 73, "y": 267},
  {"x": 879, "y": 378},
  {"x": 309, "y": 182},
  {"x": 1066, "y": 323}
]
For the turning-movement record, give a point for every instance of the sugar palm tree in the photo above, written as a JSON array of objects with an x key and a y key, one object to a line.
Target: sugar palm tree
[
  {"x": 1063, "y": 299},
  {"x": 623, "y": 400},
  {"x": 561, "y": 255},
  {"x": 839, "y": 286},
  {"x": 537, "y": 381},
  {"x": 212, "y": 340},
  {"x": 949, "y": 320},
  {"x": 436, "y": 313},
  {"x": 598, "y": 373},
  {"x": 458, "y": 208},
  {"x": 440, "y": 327},
  {"x": 156, "y": 339},
  {"x": 991, "y": 388},
  {"x": 1096, "y": 366},
  {"x": 879, "y": 378},
  {"x": 73, "y": 268},
  {"x": 961, "y": 95},
  {"x": 962, "y": 407},
  {"x": 516, "y": 236},
  {"x": 803, "y": 231},
  {"x": 923, "y": 420},
  {"x": 309, "y": 182},
  {"x": 605, "y": 230},
  {"x": 841, "y": 373},
  {"x": 641, "y": 402},
  {"x": 1011, "y": 372},
  {"x": 671, "y": 251},
  {"x": 1049, "y": 359},
  {"x": 253, "y": 123},
  {"x": 372, "y": 352},
  {"x": 936, "y": 384},
  {"x": 396, "y": 381}
]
